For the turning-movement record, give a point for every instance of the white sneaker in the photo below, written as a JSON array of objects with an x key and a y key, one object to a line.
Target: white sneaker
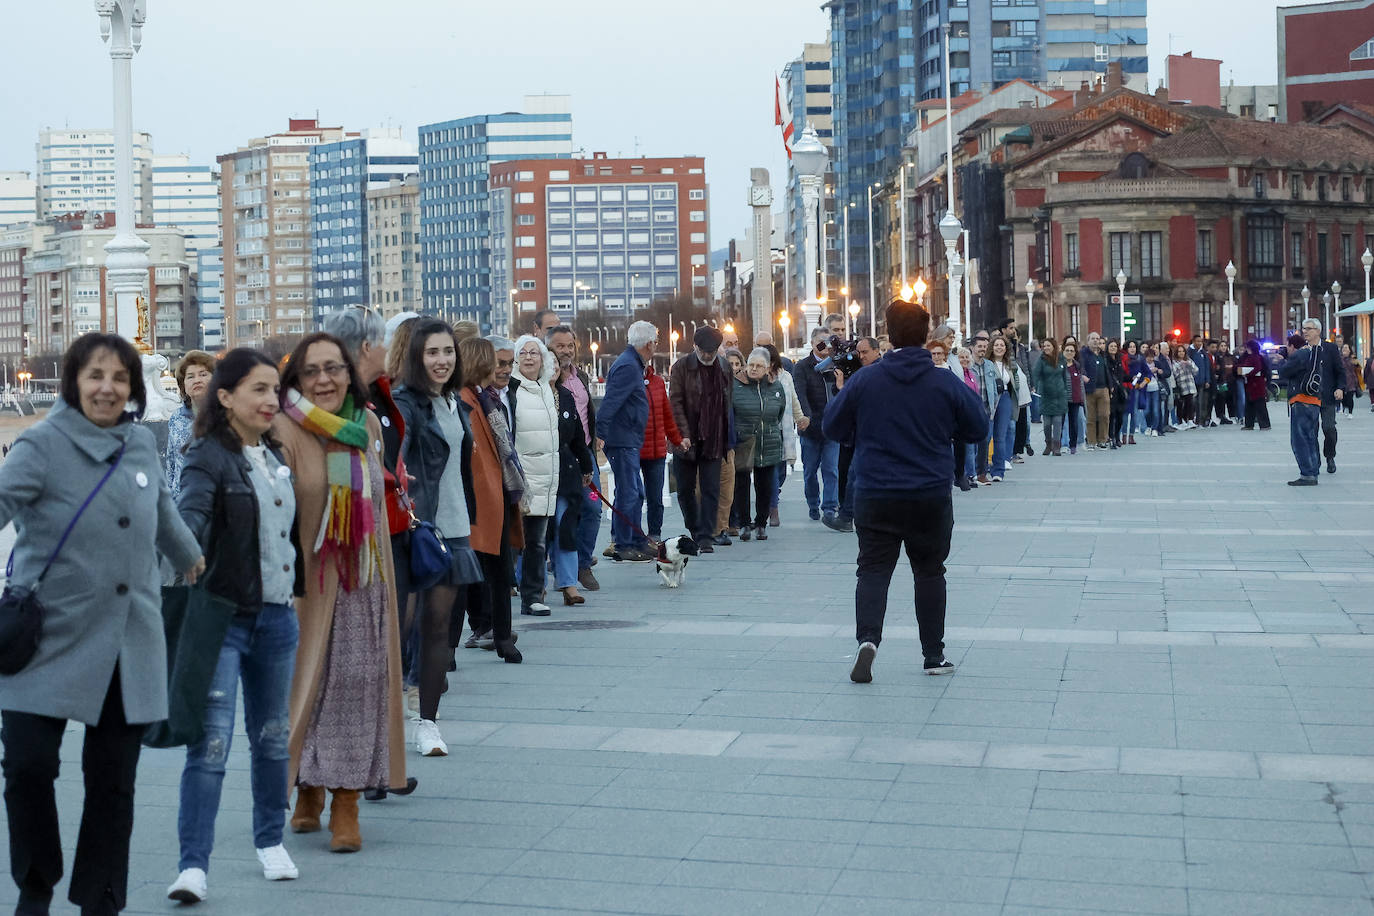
[
  {"x": 189, "y": 887},
  {"x": 277, "y": 864},
  {"x": 428, "y": 741}
]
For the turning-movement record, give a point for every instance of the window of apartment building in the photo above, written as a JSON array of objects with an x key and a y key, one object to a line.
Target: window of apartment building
[
  {"x": 613, "y": 238},
  {"x": 560, "y": 260},
  {"x": 527, "y": 284},
  {"x": 665, "y": 237},
  {"x": 524, "y": 263},
  {"x": 525, "y": 197},
  {"x": 1369, "y": 190},
  {"x": 585, "y": 195},
  {"x": 698, "y": 238},
  {"x": 1205, "y": 254},
  {"x": 613, "y": 260},
  {"x": 1262, "y": 312},
  {"x": 1026, "y": 27},
  {"x": 1151, "y": 254},
  {"x": 1295, "y": 254},
  {"x": 1120, "y": 245},
  {"x": 524, "y": 241},
  {"x": 1150, "y": 322},
  {"x": 1075, "y": 321},
  {"x": 639, "y": 238},
  {"x": 612, "y": 195},
  {"x": 637, "y": 195},
  {"x": 1260, "y": 184},
  {"x": 1202, "y": 318},
  {"x": 559, "y": 175},
  {"x": 1101, "y": 53},
  {"x": 1295, "y": 185},
  {"x": 1265, "y": 247},
  {"x": 1347, "y": 253},
  {"x": 696, "y": 194},
  {"x": 665, "y": 260},
  {"x": 586, "y": 239},
  {"x": 1345, "y": 188},
  {"x": 637, "y": 216},
  {"x": 585, "y": 218},
  {"x": 560, "y": 218},
  {"x": 525, "y": 219},
  {"x": 524, "y": 176},
  {"x": 665, "y": 194},
  {"x": 1321, "y": 187},
  {"x": 665, "y": 216},
  {"x": 560, "y": 240},
  {"x": 697, "y": 216},
  {"x": 561, "y": 196}
]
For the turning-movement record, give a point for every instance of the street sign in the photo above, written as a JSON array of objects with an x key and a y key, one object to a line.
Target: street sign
[{"x": 1119, "y": 317}]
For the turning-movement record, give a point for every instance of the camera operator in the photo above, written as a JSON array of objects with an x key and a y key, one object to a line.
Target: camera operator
[
  {"x": 902, "y": 415},
  {"x": 819, "y": 453},
  {"x": 867, "y": 353}
]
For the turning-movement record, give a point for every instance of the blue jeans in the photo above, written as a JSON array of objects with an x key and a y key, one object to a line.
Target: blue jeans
[
  {"x": 1003, "y": 428},
  {"x": 652, "y": 472},
  {"x": 971, "y": 458},
  {"x": 1303, "y": 422},
  {"x": 822, "y": 455},
  {"x": 629, "y": 496},
  {"x": 564, "y": 561},
  {"x": 1079, "y": 423},
  {"x": 589, "y": 524},
  {"x": 260, "y": 650}
]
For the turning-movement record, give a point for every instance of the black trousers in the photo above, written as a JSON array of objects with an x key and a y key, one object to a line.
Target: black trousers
[
  {"x": 1257, "y": 410},
  {"x": 109, "y": 761},
  {"x": 846, "y": 458},
  {"x": 763, "y": 494},
  {"x": 1329, "y": 431},
  {"x": 488, "y": 601},
  {"x": 1022, "y": 431},
  {"x": 698, "y": 518},
  {"x": 885, "y": 526},
  {"x": 1221, "y": 403}
]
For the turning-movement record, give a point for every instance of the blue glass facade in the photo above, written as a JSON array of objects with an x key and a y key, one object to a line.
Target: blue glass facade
[
  {"x": 210, "y": 297},
  {"x": 340, "y": 174},
  {"x": 455, "y": 207}
]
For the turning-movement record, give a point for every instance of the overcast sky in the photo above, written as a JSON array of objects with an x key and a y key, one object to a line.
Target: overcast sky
[{"x": 654, "y": 78}]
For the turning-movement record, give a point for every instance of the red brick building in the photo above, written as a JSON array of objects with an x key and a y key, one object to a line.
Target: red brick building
[
  {"x": 1326, "y": 56},
  {"x": 608, "y": 234}
]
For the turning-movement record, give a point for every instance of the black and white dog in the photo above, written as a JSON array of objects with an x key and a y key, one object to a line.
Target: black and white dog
[{"x": 672, "y": 559}]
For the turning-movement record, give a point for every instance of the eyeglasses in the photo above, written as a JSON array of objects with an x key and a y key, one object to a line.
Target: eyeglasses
[
  {"x": 335, "y": 371},
  {"x": 976, "y": 339},
  {"x": 505, "y": 363}
]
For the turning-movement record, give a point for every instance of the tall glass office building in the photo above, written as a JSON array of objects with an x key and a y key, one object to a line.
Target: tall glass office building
[
  {"x": 340, "y": 174},
  {"x": 455, "y": 206}
]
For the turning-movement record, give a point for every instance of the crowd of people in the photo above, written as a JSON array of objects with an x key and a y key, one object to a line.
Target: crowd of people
[{"x": 392, "y": 486}]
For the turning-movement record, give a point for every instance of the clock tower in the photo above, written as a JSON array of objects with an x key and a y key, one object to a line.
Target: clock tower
[{"x": 761, "y": 204}]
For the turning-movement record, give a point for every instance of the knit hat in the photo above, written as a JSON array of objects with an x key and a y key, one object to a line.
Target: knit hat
[{"x": 708, "y": 339}]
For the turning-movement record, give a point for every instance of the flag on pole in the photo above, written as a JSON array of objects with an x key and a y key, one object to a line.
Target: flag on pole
[{"x": 785, "y": 122}]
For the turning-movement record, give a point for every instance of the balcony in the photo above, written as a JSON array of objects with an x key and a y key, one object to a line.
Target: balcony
[{"x": 1138, "y": 189}]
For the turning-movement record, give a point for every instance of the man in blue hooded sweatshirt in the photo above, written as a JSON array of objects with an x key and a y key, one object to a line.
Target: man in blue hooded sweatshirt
[{"x": 903, "y": 414}]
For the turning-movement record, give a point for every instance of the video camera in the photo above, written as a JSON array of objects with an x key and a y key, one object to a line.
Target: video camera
[{"x": 844, "y": 356}]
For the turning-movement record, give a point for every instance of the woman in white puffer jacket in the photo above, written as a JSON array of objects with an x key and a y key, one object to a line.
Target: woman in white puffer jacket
[{"x": 536, "y": 442}]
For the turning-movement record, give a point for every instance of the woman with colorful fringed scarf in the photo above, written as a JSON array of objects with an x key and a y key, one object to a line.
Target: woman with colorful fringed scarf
[{"x": 347, "y": 725}]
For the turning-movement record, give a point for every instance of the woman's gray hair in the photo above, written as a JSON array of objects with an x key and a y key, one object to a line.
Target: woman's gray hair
[
  {"x": 501, "y": 343},
  {"x": 355, "y": 326},
  {"x": 640, "y": 333},
  {"x": 760, "y": 353}
]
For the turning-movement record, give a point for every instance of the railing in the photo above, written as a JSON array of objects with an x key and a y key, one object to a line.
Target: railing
[{"x": 1139, "y": 189}]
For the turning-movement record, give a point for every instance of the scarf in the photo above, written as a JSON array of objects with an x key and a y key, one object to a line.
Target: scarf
[
  {"x": 512, "y": 475},
  {"x": 348, "y": 530},
  {"x": 712, "y": 411}
]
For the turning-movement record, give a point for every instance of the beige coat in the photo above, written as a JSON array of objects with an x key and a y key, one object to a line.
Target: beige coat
[{"x": 305, "y": 454}]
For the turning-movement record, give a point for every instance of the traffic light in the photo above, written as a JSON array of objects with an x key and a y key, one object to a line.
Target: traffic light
[{"x": 1178, "y": 333}]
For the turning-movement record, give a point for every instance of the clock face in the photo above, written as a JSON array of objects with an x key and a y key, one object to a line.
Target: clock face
[{"x": 760, "y": 196}]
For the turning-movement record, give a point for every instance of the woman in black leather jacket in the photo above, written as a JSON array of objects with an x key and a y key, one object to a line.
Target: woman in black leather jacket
[
  {"x": 437, "y": 451},
  {"x": 574, "y": 474},
  {"x": 237, "y": 497},
  {"x": 1116, "y": 384}
]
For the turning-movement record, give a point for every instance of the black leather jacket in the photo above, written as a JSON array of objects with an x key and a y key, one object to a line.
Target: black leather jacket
[
  {"x": 574, "y": 458},
  {"x": 426, "y": 452},
  {"x": 218, "y": 505}
]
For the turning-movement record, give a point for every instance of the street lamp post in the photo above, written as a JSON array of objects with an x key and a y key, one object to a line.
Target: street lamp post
[
  {"x": 1306, "y": 299},
  {"x": 1232, "y": 312},
  {"x": 1326, "y": 305},
  {"x": 809, "y": 159},
  {"x": 596, "y": 366},
  {"x": 1030, "y": 313},
  {"x": 1121, "y": 303},
  {"x": 950, "y": 230},
  {"x": 1336, "y": 298},
  {"x": 784, "y": 320},
  {"x": 872, "y": 279},
  {"x": 853, "y": 319},
  {"x": 672, "y": 348}
]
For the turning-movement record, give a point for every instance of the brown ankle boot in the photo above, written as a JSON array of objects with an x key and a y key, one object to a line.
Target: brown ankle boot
[
  {"x": 343, "y": 821},
  {"x": 309, "y": 804}
]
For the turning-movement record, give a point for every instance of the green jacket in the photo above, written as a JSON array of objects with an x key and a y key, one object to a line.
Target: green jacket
[
  {"x": 1053, "y": 386},
  {"x": 759, "y": 409}
]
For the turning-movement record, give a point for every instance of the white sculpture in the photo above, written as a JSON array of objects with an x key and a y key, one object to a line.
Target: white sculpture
[{"x": 161, "y": 405}]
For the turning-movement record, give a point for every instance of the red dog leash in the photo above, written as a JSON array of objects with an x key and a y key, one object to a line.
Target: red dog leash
[{"x": 634, "y": 526}]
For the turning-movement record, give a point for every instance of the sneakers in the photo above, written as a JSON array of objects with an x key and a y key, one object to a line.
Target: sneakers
[
  {"x": 428, "y": 741},
  {"x": 473, "y": 641},
  {"x": 537, "y": 609},
  {"x": 723, "y": 539},
  {"x": 833, "y": 522},
  {"x": 815, "y": 515},
  {"x": 487, "y": 641},
  {"x": 277, "y": 864},
  {"x": 189, "y": 887},
  {"x": 1303, "y": 482},
  {"x": 996, "y": 478},
  {"x": 939, "y": 665},
  {"x": 862, "y": 673}
]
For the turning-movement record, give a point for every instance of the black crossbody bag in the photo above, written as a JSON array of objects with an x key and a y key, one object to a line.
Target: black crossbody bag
[{"x": 21, "y": 613}]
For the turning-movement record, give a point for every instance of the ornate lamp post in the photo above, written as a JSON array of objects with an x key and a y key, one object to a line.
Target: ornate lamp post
[
  {"x": 1306, "y": 299},
  {"x": 950, "y": 231},
  {"x": 1232, "y": 312},
  {"x": 853, "y": 318},
  {"x": 1030, "y": 314},
  {"x": 1336, "y": 298},
  {"x": 809, "y": 159},
  {"x": 1121, "y": 311},
  {"x": 784, "y": 320}
]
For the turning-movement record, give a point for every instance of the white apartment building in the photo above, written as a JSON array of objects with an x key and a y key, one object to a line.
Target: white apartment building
[
  {"x": 17, "y": 198},
  {"x": 76, "y": 173},
  {"x": 187, "y": 196}
]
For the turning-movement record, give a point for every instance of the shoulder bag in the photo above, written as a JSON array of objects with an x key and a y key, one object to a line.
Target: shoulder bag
[{"x": 21, "y": 613}]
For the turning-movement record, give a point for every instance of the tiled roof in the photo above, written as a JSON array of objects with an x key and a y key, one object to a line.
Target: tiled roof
[{"x": 1244, "y": 141}]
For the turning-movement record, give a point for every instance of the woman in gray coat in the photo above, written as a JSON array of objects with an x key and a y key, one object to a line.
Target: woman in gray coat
[{"x": 102, "y": 656}]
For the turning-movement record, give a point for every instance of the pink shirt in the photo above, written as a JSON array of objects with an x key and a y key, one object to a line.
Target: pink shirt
[{"x": 581, "y": 398}]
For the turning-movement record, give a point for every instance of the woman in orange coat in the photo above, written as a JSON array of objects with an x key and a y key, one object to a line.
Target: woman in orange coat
[{"x": 658, "y": 432}]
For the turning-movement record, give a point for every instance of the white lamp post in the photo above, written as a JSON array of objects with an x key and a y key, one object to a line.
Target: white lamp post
[
  {"x": 1367, "y": 259},
  {"x": 1306, "y": 299},
  {"x": 1326, "y": 304},
  {"x": 596, "y": 366},
  {"x": 872, "y": 278},
  {"x": 1030, "y": 314},
  {"x": 950, "y": 230},
  {"x": 853, "y": 318},
  {"x": 672, "y": 347},
  {"x": 1121, "y": 311},
  {"x": 1232, "y": 312},
  {"x": 784, "y": 320},
  {"x": 1336, "y": 298},
  {"x": 809, "y": 159}
]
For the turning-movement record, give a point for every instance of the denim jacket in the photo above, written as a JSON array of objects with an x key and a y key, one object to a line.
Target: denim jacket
[{"x": 987, "y": 384}]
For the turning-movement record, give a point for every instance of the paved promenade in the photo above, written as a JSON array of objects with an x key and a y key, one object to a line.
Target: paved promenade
[{"x": 1164, "y": 704}]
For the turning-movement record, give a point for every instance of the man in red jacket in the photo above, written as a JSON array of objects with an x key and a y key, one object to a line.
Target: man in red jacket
[{"x": 653, "y": 457}]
